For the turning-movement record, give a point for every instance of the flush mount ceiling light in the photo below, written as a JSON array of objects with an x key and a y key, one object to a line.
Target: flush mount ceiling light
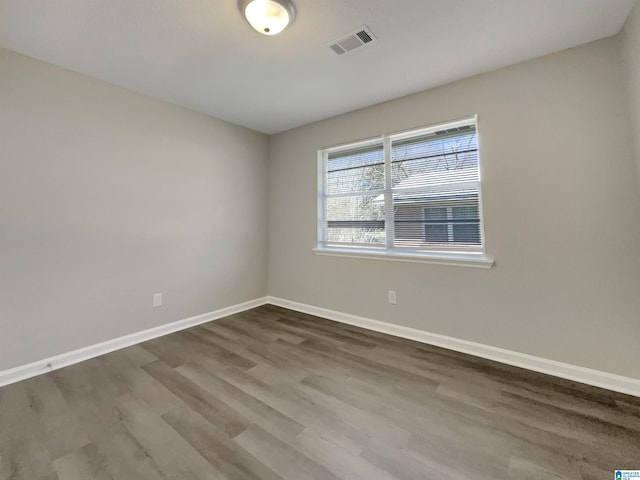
[{"x": 269, "y": 17}]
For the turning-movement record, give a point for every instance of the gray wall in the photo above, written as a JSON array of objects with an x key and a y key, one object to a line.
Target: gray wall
[
  {"x": 106, "y": 197},
  {"x": 630, "y": 36},
  {"x": 561, "y": 206}
]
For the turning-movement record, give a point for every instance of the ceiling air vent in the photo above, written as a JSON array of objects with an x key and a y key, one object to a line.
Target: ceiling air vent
[{"x": 356, "y": 39}]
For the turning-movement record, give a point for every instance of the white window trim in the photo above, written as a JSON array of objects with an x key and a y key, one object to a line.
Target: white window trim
[{"x": 475, "y": 259}]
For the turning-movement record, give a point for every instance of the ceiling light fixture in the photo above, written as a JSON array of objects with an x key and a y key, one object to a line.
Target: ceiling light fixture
[{"x": 269, "y": 17}]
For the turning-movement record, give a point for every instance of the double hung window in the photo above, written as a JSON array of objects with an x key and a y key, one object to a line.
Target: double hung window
[{"x": 414, "y": 193}]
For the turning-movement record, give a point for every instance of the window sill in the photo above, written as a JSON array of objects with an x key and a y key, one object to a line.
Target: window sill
[{"x": 473, "y": 260}]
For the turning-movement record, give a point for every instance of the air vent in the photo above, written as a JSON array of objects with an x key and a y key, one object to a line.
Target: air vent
[{"x": 356, "y": 39}]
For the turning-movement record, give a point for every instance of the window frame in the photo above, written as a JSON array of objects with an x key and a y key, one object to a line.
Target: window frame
[{"x": 472, "y": 256}]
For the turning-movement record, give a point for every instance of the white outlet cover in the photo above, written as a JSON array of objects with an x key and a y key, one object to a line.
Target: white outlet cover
[
  {"x": 157, "y": 299},
  {"x": 392, "y": 297}
]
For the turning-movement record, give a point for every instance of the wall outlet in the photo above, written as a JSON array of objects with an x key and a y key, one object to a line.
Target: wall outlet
[
  {"x": 392, "y": 297},
  {"x": 157, "y": 299}
]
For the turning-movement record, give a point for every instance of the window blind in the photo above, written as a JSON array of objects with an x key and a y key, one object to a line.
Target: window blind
[
  {"x": 416, "y": 191},
  {"x": 354, "y": 180},
  {"x": 436, "y": 188}
]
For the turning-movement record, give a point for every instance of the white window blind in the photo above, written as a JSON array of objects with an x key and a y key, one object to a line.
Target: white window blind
[
  {"x": 417, "y": 191},
  {"x": 354, "y": 180}
]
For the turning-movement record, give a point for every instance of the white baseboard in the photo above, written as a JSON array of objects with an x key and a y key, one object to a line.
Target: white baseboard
[
  {"x": 58, "y": 361},
  {"x": 568, "y": 371},
  {"x": 597, "y": 378}
]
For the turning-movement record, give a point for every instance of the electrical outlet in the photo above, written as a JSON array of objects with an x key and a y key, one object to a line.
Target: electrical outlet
[
  {"x": 157, "y": 299},
  {"x": 392, "y": 297}
]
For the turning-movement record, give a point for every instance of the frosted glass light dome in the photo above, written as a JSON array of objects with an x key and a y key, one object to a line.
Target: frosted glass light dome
[{"x": 269, "y": 17}]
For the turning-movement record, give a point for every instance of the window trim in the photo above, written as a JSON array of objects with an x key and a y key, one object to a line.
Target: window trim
[
  {"x": 460, "y": 256},
  {"x": 474, "y": 260}
]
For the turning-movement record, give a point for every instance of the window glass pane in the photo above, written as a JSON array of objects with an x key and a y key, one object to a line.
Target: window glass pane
[
  {"x": 356, "y": 157},
  {"x": 356, "y": 170},
  {"x": 353, "y": 180},
  {"x": 441, "y": 161},
  {"x": 436, "y": 143},
  {"x": 435, "y": 227},
  {"x": 356, "y": 219},
  {"x": 418, "y": 225},
  {"x": 466, "y": 233},
  {"x": 466, "y": 224},
  {"x": 465, "y": 212},
  {"x": 436, "y": 233},
  {"x": 434, "y": 213},
  {"x": 363, "y": 236}
]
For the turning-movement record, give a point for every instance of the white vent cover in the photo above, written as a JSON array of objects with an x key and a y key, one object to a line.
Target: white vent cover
[{"x": 356, "y": 39}]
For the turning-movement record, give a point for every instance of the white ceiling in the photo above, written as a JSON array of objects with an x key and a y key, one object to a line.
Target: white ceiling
[{"x": 202, "y": 54}]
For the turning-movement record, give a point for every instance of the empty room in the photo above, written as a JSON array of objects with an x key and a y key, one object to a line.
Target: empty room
[{"x": 339, "y": 239}]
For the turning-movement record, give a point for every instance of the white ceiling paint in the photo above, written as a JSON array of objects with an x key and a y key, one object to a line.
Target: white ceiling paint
[{"x": 202, "y": 54}]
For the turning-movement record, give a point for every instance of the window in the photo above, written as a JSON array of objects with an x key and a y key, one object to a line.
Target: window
[
  {"x": 456, "y": 223},
  {"x": 415, "y": 193}
]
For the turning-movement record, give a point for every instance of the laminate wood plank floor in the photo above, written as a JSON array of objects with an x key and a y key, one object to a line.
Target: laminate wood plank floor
[{"x": 273, "y": 394}]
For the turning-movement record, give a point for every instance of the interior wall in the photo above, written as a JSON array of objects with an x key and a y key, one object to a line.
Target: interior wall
[
  {"x": 561, "y": 211},
  {"x": 108, "y": 196},
  {"x": 631, "y": 53}
]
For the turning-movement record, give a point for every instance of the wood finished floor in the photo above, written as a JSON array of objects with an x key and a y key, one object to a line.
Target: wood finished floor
[{"x": 272, "y": 394}]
